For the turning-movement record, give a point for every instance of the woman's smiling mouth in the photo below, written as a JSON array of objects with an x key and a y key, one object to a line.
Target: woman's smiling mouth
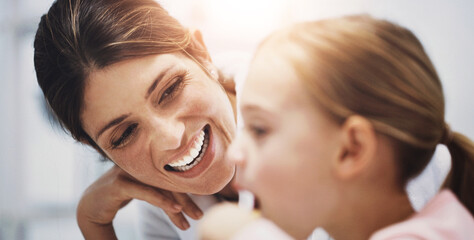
[{"x": 194, "y": 155}]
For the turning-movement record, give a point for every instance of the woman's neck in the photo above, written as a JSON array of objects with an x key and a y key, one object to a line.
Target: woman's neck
[
  {"x": 228, "y": 192},
  {"x": 370, "y": 213}
]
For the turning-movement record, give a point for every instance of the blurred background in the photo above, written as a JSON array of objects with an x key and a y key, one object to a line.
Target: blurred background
[{"x": 43, "y": 172}]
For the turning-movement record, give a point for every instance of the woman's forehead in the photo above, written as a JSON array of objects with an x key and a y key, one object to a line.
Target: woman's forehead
[
  {"x": 119, "y": 88},
  {"x": 140, "y": 64}
]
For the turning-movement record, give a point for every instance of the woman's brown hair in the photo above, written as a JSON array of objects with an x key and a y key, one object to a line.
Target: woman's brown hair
[
  {"x": 358, "y": 65},
  {"x": 76, "y": 37}
]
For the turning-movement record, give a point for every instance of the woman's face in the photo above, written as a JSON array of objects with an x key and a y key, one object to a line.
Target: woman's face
[
  {"x": 284, "y": 153},
  {"x": 163, "y": 120}
]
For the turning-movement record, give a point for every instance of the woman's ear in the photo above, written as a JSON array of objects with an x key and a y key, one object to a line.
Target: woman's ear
[
  {"x": 199, "y": 46},
  {"x": 199, "y": 51},
  {"x": 359, "y": 145}
]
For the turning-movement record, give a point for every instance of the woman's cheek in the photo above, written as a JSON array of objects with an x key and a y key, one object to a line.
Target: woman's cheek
[
  {"x": 199, "y": 101},
  {"x": 134, "y": 160}
]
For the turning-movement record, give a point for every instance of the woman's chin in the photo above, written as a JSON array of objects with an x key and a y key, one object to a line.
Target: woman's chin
[{"x": 220, "y": 182}]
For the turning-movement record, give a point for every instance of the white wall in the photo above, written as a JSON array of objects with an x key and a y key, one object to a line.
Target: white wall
[{"x": 446, "y": 29}]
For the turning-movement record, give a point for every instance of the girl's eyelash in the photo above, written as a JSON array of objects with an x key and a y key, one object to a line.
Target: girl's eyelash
[
  {"x": 180, "y": 77},
  {"x": 258, "y": 132},
  {"x": 125, "y": 137}
]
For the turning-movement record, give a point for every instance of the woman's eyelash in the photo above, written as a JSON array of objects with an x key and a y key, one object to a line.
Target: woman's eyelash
[
  {"x": 179, "y": 78},
  {"x": 125, "y": 137},
  {"x": 171, "y": 90}
]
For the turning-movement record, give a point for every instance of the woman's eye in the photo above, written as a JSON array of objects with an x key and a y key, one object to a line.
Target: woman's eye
[
  {"x": 169, "y": 92},
  {"x": 125, "y": 138}
]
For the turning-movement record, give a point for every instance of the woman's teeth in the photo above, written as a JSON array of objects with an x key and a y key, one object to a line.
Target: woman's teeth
[{"x": 194, "y": 155}]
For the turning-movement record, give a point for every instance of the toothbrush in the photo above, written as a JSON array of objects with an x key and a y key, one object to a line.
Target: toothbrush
[{"x": 246, "y": 200}]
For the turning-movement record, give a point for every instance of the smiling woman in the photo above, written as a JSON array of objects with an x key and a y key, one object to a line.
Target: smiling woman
[
  {"x": 155, "y": 115},
  {"x": 127, "y": 79}
]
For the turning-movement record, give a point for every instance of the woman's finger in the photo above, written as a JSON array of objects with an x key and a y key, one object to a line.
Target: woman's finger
[
  {"x": 189, "y": 207},
  {"x": 153, "y": 196},
  {"x": 179, "y": 220}
]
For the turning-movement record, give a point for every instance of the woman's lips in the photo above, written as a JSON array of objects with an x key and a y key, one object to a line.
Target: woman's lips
[
  {"x": 194, "y": 153},
  {"x": 206, "y": 158}
]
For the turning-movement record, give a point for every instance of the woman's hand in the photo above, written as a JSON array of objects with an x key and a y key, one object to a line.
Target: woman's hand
[{"x": 115, "y": 189}]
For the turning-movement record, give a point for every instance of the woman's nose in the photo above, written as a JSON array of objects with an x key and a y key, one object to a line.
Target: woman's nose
[{"x": 168, "y": 133}]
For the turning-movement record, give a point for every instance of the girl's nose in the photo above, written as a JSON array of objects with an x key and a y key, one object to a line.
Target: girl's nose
[{"x": 235, "y": 153}]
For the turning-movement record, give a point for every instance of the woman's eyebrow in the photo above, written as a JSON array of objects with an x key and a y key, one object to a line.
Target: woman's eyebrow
[
  {"x": 157, "y": 80},
  {"x": 151, "y": 88},
  {"x": 111, "y": 124}
]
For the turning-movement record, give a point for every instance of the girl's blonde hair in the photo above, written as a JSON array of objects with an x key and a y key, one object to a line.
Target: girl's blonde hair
[{"x": 358, "y": 65}]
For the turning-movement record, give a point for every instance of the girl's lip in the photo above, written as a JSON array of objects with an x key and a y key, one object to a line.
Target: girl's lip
[
  {"x": 237, "y": 182},
  {"x": 237, "y": 186},
  {"x": 206, "y": 160}
]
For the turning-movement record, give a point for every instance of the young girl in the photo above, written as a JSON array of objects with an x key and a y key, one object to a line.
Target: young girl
[{"x": 339, "y": 115}]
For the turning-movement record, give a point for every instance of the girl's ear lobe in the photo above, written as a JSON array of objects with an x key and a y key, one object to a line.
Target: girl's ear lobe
[{"x": 359, "y": 146}]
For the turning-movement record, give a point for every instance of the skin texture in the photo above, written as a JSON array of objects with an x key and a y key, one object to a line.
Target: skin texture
[
  {"x": 165, "y": 131},
  {"x": 283, "y": 141},
  {"x": 306, "y": 170},
  {"x": 166, "y": 122}
]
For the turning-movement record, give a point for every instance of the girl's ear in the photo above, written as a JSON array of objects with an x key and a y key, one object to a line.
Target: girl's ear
[{"x": 359, "y": 145}]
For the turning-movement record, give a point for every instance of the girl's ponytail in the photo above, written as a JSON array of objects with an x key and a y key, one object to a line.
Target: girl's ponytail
[{"x": 460, "y": 179}]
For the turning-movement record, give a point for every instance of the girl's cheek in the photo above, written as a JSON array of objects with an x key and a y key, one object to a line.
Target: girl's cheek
[{"x": 257, "y": 174}]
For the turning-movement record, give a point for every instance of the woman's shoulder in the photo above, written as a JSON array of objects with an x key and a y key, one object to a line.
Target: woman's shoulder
[{"x": 443, "y": 218}]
